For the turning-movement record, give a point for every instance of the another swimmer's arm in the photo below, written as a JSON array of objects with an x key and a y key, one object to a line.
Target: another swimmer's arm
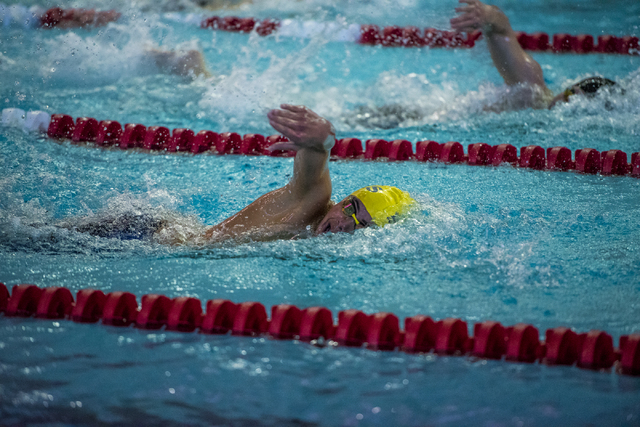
[
  {"x": 306, "y": 196},
  {"x": 513, "y": 63}
]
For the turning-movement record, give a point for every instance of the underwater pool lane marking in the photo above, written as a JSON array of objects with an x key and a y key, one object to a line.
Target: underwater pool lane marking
[
  {"x": 109, "y": 133},
  {"x": 390, "y": 36},
  {"x": 380, "y": 331}
]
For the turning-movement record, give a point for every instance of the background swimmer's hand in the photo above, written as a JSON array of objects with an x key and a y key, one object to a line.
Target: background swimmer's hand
[
  {"x": 515, "y": 65},
  {"x": 479, "y": 16},
  {"x": 303, "y": 127}
]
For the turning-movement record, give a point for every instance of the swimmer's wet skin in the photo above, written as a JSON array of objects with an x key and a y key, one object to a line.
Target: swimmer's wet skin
[
  {"x": 515, "y": 65},
  {"x": 304, "y": 203}
]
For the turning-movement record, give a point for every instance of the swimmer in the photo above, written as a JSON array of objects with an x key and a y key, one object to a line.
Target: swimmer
[
  {"x": 189, "y": 63},
  {"x": 301, "y": 208},
  {"x": 515, "y": 65},
  {"x": 304, "y": 206}
]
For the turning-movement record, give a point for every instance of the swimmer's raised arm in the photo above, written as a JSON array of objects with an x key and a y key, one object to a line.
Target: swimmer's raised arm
[
  {"x": 305, "y": 198},
  {"x": 514, "y": 64}
]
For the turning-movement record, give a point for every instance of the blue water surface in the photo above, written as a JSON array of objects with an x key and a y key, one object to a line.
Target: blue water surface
[{"x": 506, "y": 244}]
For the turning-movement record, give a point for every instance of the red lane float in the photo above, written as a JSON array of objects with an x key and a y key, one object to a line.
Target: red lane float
[
  {"x": 559, "y": 158},
  {"x": 185, "y": 314},
  {"x": 23, "y": 301},
  {"x": 86, "y": 129},
  {"x": 285, "y": 321},
  {"x": 428, "y": 151},
  {"x": 452, "y": 152},
  {"x": 228, "y": 143},
  {"x": 420, "y": 334},
  {"x": 204, "y": 141},
  {"x": 532, "y": 157},
  {"x": 523, "y": 343},
  {"x": 4, "y": 297},
  {"x": 220, "y": 317},
  {"x": 250, "y": 319},
  {"x": 376, "y": 148},
  {"x": 634, "y": 166},
  {"x": 562, "y": 346},
  {"x": 252, "y": 144},
  {"x": 489, "y": 340},
  {"x": 614, "y": 162},
  {"x": 596, "y": 351},
  {"x": 154, "y": 311},
  {"x": 630, "y": 352},
  {"x": 452, "y": 336},
  {"x": 504, "y": 153},
  {"x": 480, "y": 154},
  {"x": 347, "y": 148},
  {"x": 352, "y": 328},
  {"x": 156, "y": 137},
  {"x": 383, "y": 332},
  {"x": 89, "y": 306},
  {"x": 61, "y": 126},
  {"x": 55, "y": 303},
  {"x": 316, "y": 322},
  {"x": 588, "y": 161},
  {"x": 380, "y": 331},
  {"x": 120, "y": 309},
  {"x": 133, "y": 136},
  {"x": 109, "y": 132},
  {"x": 400, "y": 150},
  {"x": 181, "y": 140}
]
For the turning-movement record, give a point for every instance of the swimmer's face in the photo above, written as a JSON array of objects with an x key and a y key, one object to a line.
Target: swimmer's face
[
  {"x": 340, "y": 217},
  {"x": 564, "y": 95},
  {"x": 587, "y": 87}
]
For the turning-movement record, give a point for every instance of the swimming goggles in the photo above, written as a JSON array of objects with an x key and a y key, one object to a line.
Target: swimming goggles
[{"x": 350, "y": 210}]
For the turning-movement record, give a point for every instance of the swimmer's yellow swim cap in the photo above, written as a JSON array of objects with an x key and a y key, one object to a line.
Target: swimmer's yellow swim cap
[{"x": 384, "y": 203}]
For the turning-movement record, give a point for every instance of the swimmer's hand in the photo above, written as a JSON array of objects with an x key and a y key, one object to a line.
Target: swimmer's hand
[
  {"x": 303, "y": 127},
  {"x": 479, "y": 16}
]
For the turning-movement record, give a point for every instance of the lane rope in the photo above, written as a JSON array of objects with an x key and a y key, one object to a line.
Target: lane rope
[
  {"x": 412, "y": 36},
  {"x": 110, "y": 133},
  {"x": 390, "y": 36},
  {"x": 520, "y": 343}
]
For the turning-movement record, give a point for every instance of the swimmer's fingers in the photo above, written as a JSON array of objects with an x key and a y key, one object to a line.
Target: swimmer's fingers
[
  {"x": 290, "y": 115},
  {"x": 289, "y": 133},
  {"x": 464, "y": 27},
  {"x": 294, "y": 108},
  {"x": 465, "y": 24},
  {"x": 283, "y": 129},
  {"x": 302, "y": 126},
  {"x": 292, "y": 124},
  {"x": 465, "y": 9}
]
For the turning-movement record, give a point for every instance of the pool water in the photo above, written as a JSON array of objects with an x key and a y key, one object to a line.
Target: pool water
[{"x": 506, "y": 244}]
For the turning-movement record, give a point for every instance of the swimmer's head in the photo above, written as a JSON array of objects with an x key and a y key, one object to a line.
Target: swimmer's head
[
  {"x": 587, "y": 87},
  {"x": 376, "y": 204}
]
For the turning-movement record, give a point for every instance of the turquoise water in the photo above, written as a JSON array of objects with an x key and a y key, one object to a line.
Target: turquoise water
[{"x": 550, "y": 249}]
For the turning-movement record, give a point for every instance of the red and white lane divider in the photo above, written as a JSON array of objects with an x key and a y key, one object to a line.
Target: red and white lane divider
[
  {"x": 412, "y": 36},
  {"x": 380, "y": 331},
  {"x": 392, "y": 36},
  {"x": 159, "y": 138}
]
